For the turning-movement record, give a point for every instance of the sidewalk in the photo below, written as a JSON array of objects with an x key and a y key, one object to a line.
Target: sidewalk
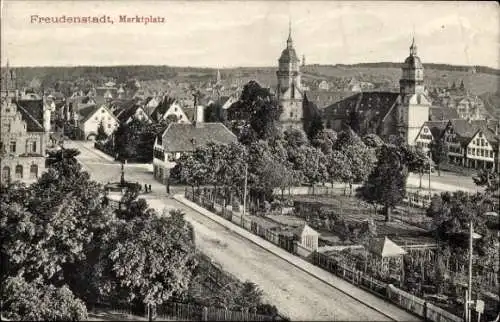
[{"x": 359, "y": 294}]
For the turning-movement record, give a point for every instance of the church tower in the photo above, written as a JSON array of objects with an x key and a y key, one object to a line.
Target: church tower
[
  {"x": 414, "y": 104},
  {"x": 412, "y": 80},
  {"x": 289, "y": 89}
]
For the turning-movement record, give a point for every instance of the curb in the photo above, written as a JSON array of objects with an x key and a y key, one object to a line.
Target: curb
[{"x": 259, "y": 241}]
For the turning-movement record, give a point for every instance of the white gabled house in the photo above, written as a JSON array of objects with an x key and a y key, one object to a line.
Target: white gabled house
[{"x": 91, "y": 116}]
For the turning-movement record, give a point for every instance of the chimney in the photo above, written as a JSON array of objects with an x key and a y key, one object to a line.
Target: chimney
[{"x": 199, "y": 117}]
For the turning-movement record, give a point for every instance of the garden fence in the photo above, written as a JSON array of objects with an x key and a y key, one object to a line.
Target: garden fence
[
  {"x": 399, "y": 297},
  {"x": 192, "y": 312}
]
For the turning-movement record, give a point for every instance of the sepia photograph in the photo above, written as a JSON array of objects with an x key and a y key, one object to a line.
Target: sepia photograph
[{"x": 249, "y": 160}]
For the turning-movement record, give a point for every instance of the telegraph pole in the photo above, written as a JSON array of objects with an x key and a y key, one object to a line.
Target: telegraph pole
[
  {"x": 430, "y": 168},
  {"x": 245, "y": 190}
]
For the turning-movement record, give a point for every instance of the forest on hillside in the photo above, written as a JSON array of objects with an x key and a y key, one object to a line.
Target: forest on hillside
[{"x": 48, "y": 75}]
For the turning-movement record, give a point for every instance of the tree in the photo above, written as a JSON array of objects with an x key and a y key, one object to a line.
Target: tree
[
  {"x": 325, "y": 140},
  {"x": 23, "y": 301},
  {"x": 373, "y": 140},
  {"x": 452, "y": 213},
  {"x": 315, "y": 127},
  {"x": 151, "y": 258},
  {"x": 489, "y": 179},
  {"x": 259, "y": 110},
  {"x": 439, "y": 153},
  {"x": 101, "y": 132},
  {"x": 354, "y": 121},
  {"x": 462, "y": 85},
  {"x": 352, "y": 163},
  {"x": 386, "y": 185}
]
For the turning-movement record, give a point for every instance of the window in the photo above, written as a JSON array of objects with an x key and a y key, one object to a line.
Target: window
[
  {"x": 19, "y": 171},
  {"x": 473, "y": 151},
  {"x": 469, "y": 151},
  {"x": 102, "y": 111},
  {"x": 482, "y": 152},
  {"x": 13, "y": 146},
  {"x": 34, "y": 171},
  {"x": 33, "y": 146},
  {"x": 109, "y": 126},
  {"x": 6, "y": 174}
]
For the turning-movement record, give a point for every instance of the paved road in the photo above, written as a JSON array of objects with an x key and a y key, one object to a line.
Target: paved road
[{"x": 297, "y": 294}]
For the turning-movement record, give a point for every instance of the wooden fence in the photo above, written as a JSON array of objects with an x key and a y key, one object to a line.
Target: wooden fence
[
  {"x": 403, "y": 299},
  {"x": 284, "y": 241},
  {"x": 192, "y": 312},
  {"x": 397, "y": 296}
]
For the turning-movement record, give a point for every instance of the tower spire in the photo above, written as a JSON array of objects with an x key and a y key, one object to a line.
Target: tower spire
[
  {"x": 289, "y": 42},
  {"x": 413, "y": 47}
]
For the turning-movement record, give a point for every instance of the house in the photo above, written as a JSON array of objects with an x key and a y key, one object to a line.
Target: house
[
  {"x": 176, "y": 110},
  {"x": 472, "y": 143},
  {"x": 430, "y": 131},
  {"x": 468, "y": 107},
  {"x": 482, "y": 150},
  {"x": 132, "y": 112},
  {"x": 91, "y": 116},
  {"x": 324, "y": 86},
  {"x": 180, "y": 138},
  {"x": 24, "y": 137}
]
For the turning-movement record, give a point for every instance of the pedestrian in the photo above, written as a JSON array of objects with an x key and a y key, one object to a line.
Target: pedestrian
[
  {"x": 145, "y": 188},
  {"x": 149, "y": 188}
]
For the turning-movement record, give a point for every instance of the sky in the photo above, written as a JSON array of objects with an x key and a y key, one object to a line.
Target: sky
[{"x": 220, "y": 34}]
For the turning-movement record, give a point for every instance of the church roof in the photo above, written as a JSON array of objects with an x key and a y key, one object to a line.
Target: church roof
[
  {"x": 438, "y": 113},
  {"x": 374, "y": 105}
]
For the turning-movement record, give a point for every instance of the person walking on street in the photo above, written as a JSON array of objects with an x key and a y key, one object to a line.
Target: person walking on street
[
  {"x": 145, "y": 188},
  {"x": 149, "y": 188}
]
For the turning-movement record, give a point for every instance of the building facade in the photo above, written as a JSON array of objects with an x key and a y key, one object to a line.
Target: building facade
[
  {"x": 23, "y": 143},
  {"x": 90, "y": 117}
]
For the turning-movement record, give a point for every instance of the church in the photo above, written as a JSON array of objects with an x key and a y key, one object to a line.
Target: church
[{"x": 386, "y": 113}]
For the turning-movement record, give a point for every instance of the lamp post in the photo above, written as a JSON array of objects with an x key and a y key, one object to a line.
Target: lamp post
[
  {"x": 245, "y": 190},
  {"x": 430, "y": 168}
]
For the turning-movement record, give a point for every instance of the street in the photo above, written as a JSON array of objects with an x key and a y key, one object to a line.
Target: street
[{"x": 297, "y": 294}]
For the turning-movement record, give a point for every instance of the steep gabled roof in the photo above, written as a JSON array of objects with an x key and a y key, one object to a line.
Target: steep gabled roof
[
  {"x": 187, "y": 137},
  {"x": 384, "y": 247},
  {"x": 438, "y": 113},
  {"x": 372, "y": 106},
  {"x": 436, "y": 128},
  {"x": 466, "y": 129},
  {"x": 87, "y": 111},
  {"x": 34, "y": 108},
  {"x": 32, "y": 124}
]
